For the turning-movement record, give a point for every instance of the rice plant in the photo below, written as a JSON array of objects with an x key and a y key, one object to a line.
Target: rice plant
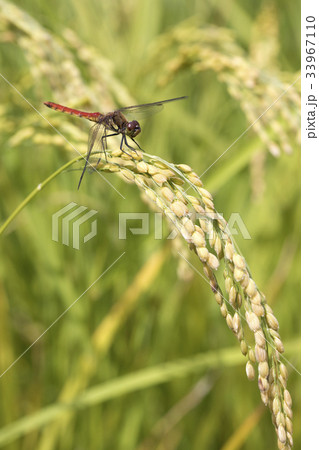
[{"x": 140, "y": 356}]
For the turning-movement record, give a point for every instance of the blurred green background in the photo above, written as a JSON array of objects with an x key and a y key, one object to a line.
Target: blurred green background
[{"x": 149, "y": 309}]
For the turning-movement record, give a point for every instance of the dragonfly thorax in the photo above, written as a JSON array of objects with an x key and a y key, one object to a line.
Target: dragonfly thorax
[{"x": 133, "y": 128}]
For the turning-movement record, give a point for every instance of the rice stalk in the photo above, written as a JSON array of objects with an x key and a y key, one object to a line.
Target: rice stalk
[
  {"x": 53, "y": 62},
  {"x": 269, "y": 98},
  {"x": 166, "y": 186},
  {"x": 35, "y": 192},
  {"x": 206, "y": 232}
]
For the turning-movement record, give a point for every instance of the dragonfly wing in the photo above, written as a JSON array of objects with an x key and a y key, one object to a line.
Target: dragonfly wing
[
  {"x": 95, "y": 143},
  {"x": 146, "y": 109},
  {"x": 95, "y": 139},
  {"x": 98, "y": 138},
  {"x": 141, "y": 111}
]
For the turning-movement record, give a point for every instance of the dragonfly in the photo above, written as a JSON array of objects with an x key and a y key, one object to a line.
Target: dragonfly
[{"x": 113, "y": 123}]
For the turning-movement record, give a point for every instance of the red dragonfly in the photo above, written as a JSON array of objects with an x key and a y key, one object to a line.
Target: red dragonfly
[{"x": 114, "y": 122}]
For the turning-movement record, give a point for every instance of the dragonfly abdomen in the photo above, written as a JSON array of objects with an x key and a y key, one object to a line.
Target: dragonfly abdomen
[{"x": 94, "y": 117}]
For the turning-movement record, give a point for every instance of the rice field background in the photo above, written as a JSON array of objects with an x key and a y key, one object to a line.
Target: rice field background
[{"x": 142, "y": 355}]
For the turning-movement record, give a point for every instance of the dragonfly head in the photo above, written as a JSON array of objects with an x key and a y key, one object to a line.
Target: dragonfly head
[{"x": 133, "y": 128}]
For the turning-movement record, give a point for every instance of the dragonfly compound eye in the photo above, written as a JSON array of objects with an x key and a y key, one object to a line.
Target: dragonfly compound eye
[{"x": 133, "y": 128}]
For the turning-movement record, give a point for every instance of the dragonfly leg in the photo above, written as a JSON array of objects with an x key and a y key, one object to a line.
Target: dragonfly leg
[
  {"x": 129, "y": 146},
  {"x": 136, "y": 144},
  {"x": 104, "y": 147},
  {"x": 104, "y": 143},
  {"x": 121, "y": 146}
]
